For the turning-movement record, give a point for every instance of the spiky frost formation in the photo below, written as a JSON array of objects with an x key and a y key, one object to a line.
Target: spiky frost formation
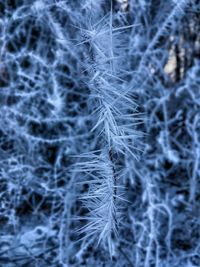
[
  {"x": 112, "y": 104},
  {"x": 112, "y": 98},
  {"x": 101, "y": 199}
]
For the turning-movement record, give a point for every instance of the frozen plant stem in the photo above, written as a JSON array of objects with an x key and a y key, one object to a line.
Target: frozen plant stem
[
  {"x": 101, "y": 200},
  {"x": 114, "y": 174},
  {"x": 113, "y": 114}
]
